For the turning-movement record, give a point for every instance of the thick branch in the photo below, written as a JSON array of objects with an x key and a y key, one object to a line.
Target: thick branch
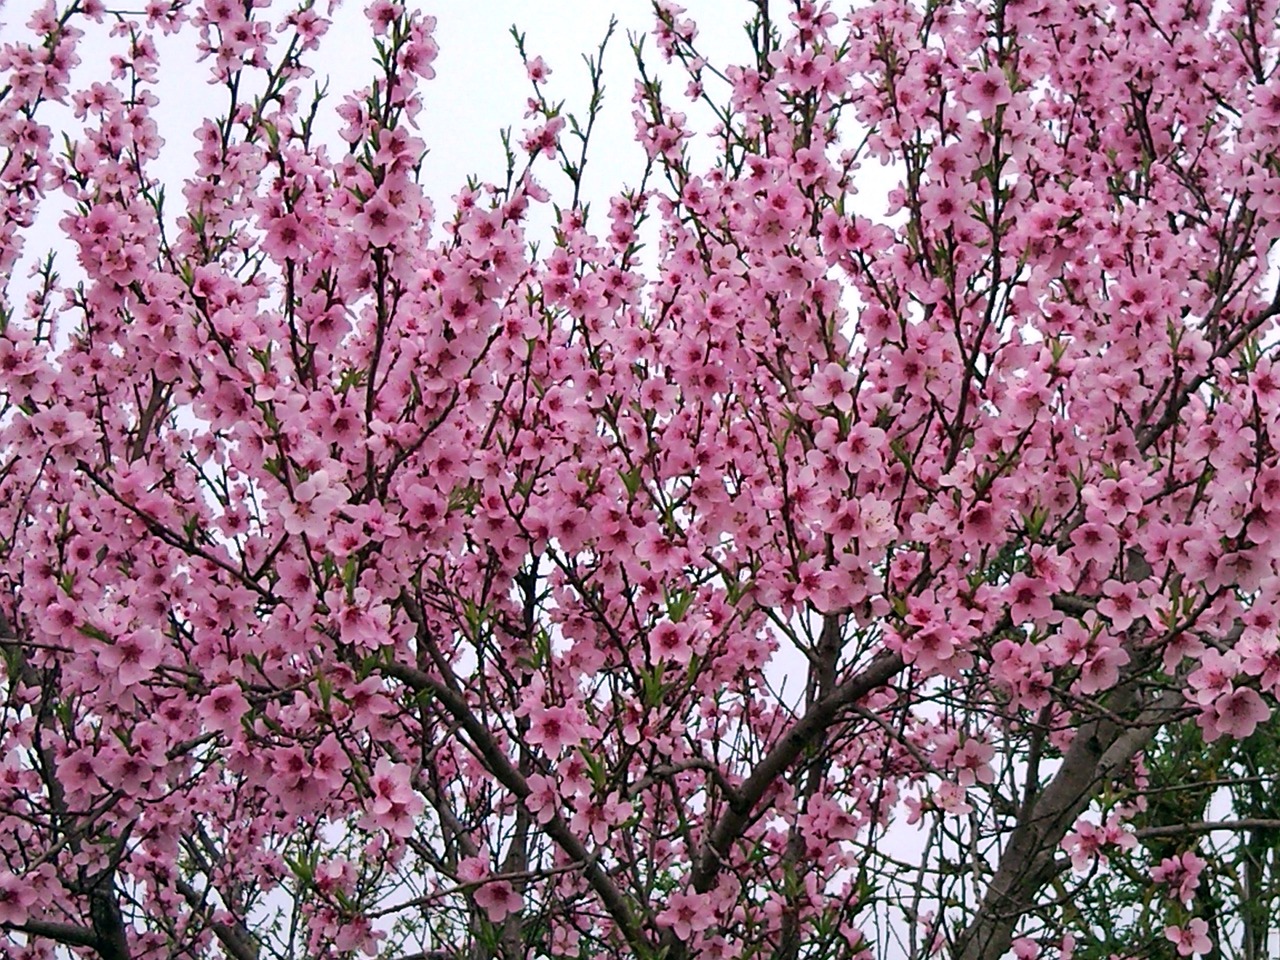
[
  {"x": 1206, "y": 826},
  {"x": 64, "y": 933},
  {"x": 496, "y": 761},
  {"x": 111, "y": 934},
  {"x": 106, "y": 937},
  {"x": 1100, "y": 749},
  {"x": 741, "y": 810},
  {"x": 238, "y": 942}
]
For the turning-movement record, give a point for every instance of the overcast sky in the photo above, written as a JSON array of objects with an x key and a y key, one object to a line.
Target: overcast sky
[{"x": 480, "y": 85}]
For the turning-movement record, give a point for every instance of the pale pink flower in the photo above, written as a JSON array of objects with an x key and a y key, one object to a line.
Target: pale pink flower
[
  {"x": 395, "y": 804},
  {"x": 499, "y": 899},
  {"x": 379, "y": 222},
  {"x": 973, "y": 762},
  {"x": 1193, "y": 939},
  {"x": 1181, "y": 874},
  {"x": 553, "y": 729},
  {"x": 1102, "y": 670},
  {"x": 985, "y": 91},
  {"x": 1235, "y": 714},
  {"x": 538, "y": 70},
  {"x": 687, "y": 913},
  {"x": 222, "y": 709},
  {"x": 16, "y": 898}
]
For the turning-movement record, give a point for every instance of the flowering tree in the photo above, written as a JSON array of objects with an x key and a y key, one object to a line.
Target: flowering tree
[{"x": 377, "y": 579}]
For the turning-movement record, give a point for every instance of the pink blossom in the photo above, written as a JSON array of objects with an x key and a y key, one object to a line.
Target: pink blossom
[
  {"x": 545, "y": 138},
  {"x": 1102, "y": 671},
  {"x": 382, "y": 13},
  {"x": 553, "y": 729},
  {"x": 682, "y": 546},
  {"x": 379, "y": 221},
  {"x": 932, "y": 649},
  {"x": 538, "y": 70},
  {"x": 394, "y": 804},
  {"x": 986, "y": 90},
  {"x": 1234, "y": 714},
  {"x": 687, "y": 913},
  {"x": 313, "y": 503},
  {"x": 973, "y": 761},
  {"x": 134, "y": 656},
  {"x": 1260, "y": 657},
  {"x": 498, "y": 899},
  {"x": 1095, "y": 542},
  {"x": 223, "y": 708},
  {"x": 17, "y": 896},
  {"x": 670, "y": 641},
  {"x": 1071, "y": 643},
  {"x": 1030, "y": 599},
  {"x": 1112, "y": 501},
  {"x": 1213, "y": 678},
  {"x": 472, "y": 870},
  {"x": 1122, "y": 605},
  {"x": 950, "y": 799},
  {"x": 544, "y": 798},
  {"x": 1088, "y": 841},
  {"x": 1191, "y": 940},
  {"x": 1181, "y": 874}
]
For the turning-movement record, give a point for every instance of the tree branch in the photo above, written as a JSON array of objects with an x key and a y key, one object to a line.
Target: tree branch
[
  {"x": 739, "y": 814},
  {"x": 511, "y": 778},
  {"x": 64, "y": 933},
  {"x": 1206, "y": 826},
  {"x": 1099, "y": 749},
  {"x": 235, "y": 937}
]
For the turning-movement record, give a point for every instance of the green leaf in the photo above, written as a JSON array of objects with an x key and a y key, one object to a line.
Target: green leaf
[{"x": 631, "y": 480}]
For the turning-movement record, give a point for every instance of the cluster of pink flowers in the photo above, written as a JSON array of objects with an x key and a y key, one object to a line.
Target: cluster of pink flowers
[{"x": 404, "y": 562}]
